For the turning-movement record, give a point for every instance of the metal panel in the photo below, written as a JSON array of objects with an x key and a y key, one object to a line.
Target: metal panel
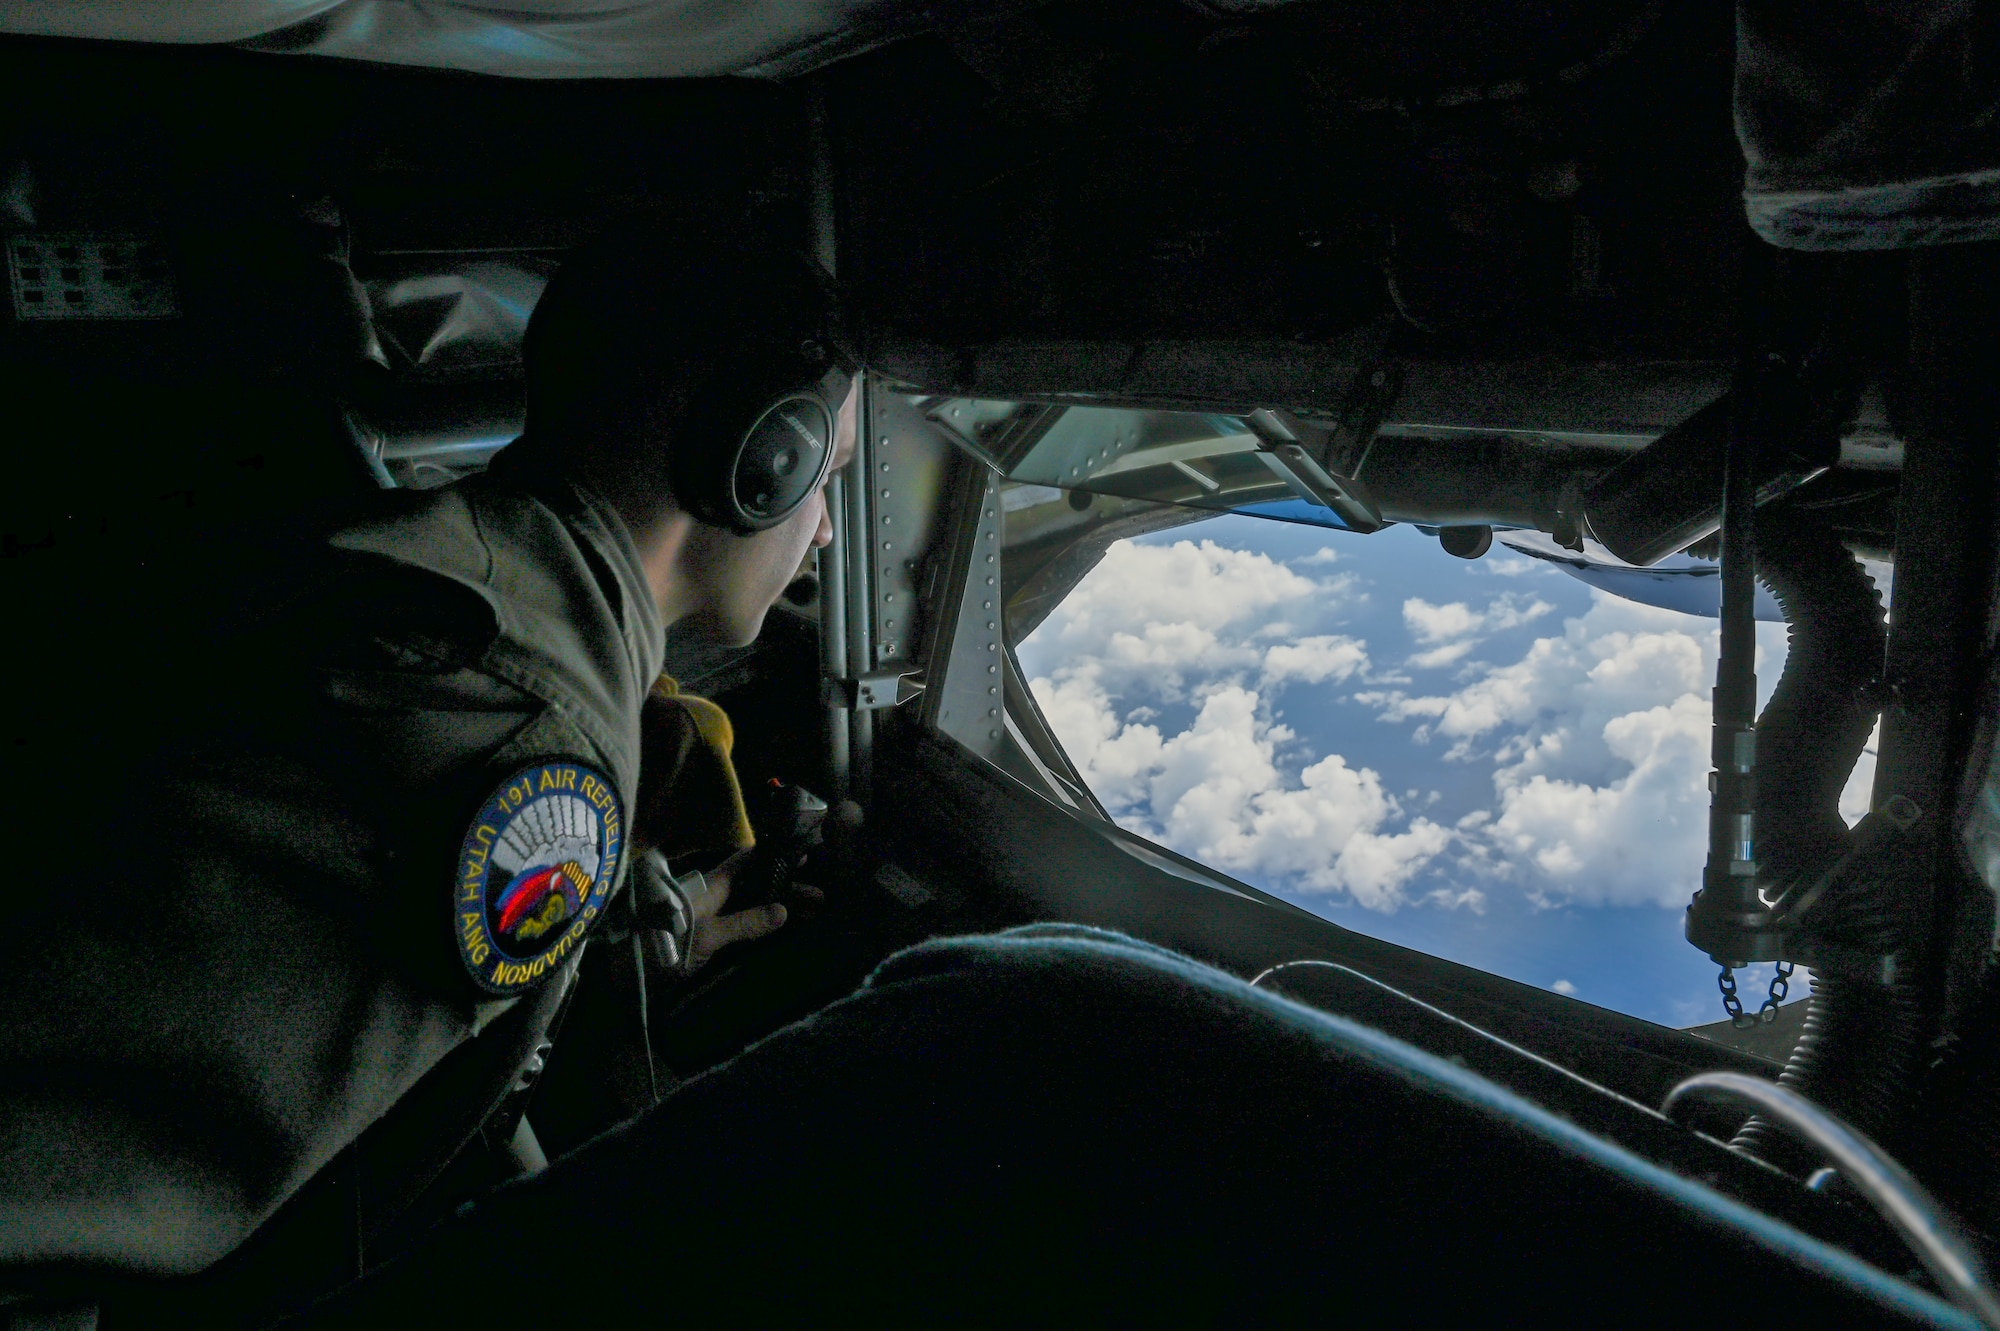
[
  {"x": 832, "y": 564},
  {"x": 859, "y": 605},
  {"x": 1634, "y": 397},
  {"x": 908, "y": 463},
  {"x": 965, "y": 700}
]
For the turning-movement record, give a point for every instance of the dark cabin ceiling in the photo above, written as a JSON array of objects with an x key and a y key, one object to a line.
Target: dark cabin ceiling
[{"x": 575, "y": 39}]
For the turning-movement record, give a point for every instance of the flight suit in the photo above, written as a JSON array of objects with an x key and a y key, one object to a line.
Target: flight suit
[{"x": 270, "y": 958}]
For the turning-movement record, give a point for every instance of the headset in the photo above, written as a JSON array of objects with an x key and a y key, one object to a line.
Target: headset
[
  {"x": 761, "y": 428},
  {"x": 753, "y": 411},
  {"x": 755, "y": 452}
]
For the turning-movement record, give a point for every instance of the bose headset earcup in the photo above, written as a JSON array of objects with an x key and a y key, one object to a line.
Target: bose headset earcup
[
  {"x": 756, "y": 436},
  {"x": 779, "y": 447},
  {"x": 782, "y": 458}
]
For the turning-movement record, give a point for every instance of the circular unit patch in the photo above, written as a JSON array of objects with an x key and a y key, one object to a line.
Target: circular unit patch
[{"x": 535, "y": 872}]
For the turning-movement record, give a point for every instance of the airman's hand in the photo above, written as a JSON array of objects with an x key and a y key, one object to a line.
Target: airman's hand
[{"x": 713, "y": 930}]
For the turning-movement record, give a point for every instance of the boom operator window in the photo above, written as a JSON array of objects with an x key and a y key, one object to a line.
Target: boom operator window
[{"x": 1500, "y": 759}]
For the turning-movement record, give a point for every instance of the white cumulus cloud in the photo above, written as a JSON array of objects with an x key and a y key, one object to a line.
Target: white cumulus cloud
[
  {"x": 1315, "y": 659},
  {"x": 1153, "y": 616},
  {"x": 1637, "y": 837},
  {"x": 1599, "y": 741},
  {"x": 1439, "y": 623},
  {"x": 1452, "y": 630},
  {"x": 1430, "y": 624},
  {"x": 1193, "y": 622},
  {"x": 1216, "y": 792},
  {"x": 1438, "y": 657}
]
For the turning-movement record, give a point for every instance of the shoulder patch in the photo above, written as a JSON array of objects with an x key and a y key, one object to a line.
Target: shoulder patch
[{"x": 535, "y": 872}]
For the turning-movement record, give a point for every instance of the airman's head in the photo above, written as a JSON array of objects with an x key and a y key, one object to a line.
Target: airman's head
[{"x": 647, "y": 362}]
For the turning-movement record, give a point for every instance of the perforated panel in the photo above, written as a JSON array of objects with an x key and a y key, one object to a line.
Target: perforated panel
[{"x": 89, "y": 275}]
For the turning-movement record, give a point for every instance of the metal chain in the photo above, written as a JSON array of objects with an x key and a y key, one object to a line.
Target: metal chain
[
  {"x": 1731, "y": 1004},
  {"x": 1781, "y": 988},
  {"x": 1781, "y": 985}
]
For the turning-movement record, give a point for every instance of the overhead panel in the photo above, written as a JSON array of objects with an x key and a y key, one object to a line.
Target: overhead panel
[{"x": 1226, "y": 463}]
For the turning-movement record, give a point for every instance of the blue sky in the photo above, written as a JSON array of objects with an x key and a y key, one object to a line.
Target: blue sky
[{"x": 1485, "y": 760}]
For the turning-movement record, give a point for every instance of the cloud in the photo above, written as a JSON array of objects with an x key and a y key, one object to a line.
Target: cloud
[
  {"x": 1438, "y": 623},
  {"x": 1326, "y": 554},
  {"x": 1398, "y": 706},
  {"x": 1442, "y": 656},
  {"x": 1509, "y": 613},
  {"x": 1316, "y": 659},
  {"x": 1616, "y": 658},
  {"x": 1564, "y": 987},
  {"x": 1599, "y": 741},
  {"x": 1375, "y": 867},
  {"x": 1154, "y": 616},
  {"x": 1453, "y": 630},
  {"x": 1620, "y": 842},
  {"x": 1860, "y": 789},
  {"x": 1223, "y": 631},
  {"x": 1430, "y": 624},
  {"x": 1111, "y": 756},
  {"x": 1160, "y": 674},
  {"x": 1217, "y": 793}
]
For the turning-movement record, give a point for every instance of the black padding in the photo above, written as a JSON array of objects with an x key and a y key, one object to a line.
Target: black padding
[{"x": 1064, "y": 1127}]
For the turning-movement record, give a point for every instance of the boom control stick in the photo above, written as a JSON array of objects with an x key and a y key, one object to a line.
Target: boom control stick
[{"x": 790, "y": 822}]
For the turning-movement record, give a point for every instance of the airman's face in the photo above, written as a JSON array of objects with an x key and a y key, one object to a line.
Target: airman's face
[{"x": 732, "y": 581}]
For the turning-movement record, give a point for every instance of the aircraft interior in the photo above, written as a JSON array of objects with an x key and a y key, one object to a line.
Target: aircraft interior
[{"x": 1112, "y": 269}]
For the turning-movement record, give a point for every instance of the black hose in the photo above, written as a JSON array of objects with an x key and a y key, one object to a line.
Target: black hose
[
  {"x": 1863, "y": 1028},
  {"x": 1818, "y": 720},
  {"x": 1856, "y": 1056}
]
